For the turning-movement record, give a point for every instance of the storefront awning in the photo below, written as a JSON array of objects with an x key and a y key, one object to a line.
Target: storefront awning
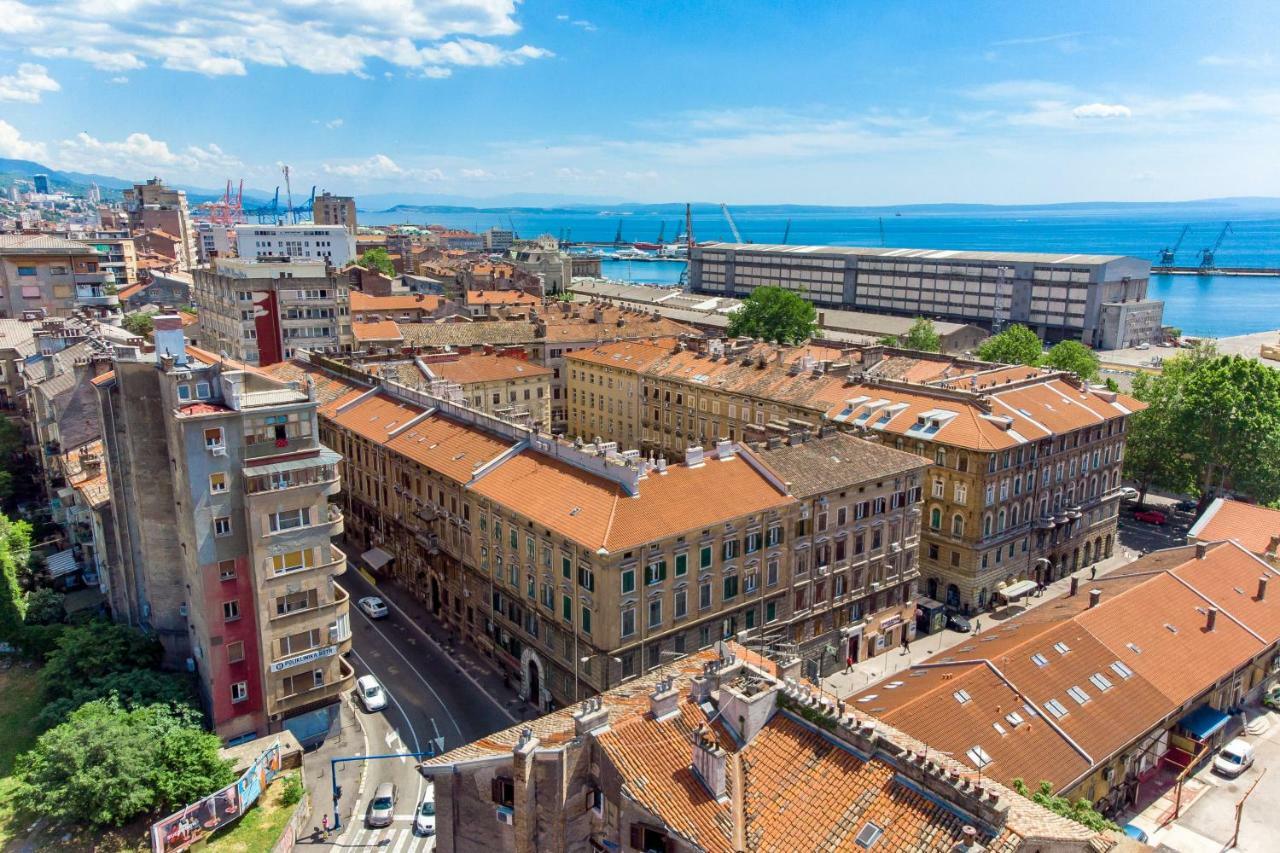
[
  {"x": 1203, "y": 722},
  {"x": 1016, "y": 590},
  {"x": 376, "y": 558}
]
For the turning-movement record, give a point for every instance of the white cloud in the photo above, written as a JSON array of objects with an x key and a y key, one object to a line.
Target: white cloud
[
  {"x": 378, "y": 166},
  {"x": 1020, "y": 90},
  {"x": 1253, "y": 63},
  {"x": 333, "y": 124},
  {"x": 1102, "y": 111},
  {"x": 28, "y": 84},
  {"x": 585, "y": 25},
  {"x": 476, "y": 174},
  {"x": 119, "y": 80},
  {"x": 13, "y": 145},
  {"x": 228, "y": 37},
  {"x": 1055, "y": 37},
  {"x": 139, "y": 154}
]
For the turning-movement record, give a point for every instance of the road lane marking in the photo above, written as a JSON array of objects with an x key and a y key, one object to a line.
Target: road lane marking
[{"x": 407, "y": 722}]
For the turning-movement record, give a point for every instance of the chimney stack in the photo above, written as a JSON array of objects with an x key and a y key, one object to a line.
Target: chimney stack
[
  {"x": 663, "y": 701},
  {"x": 1201, "y": 549},
  {"x": 1095, "y": 596},
  {"x": 1211, "y": 619},
  {"x": 1262, "y": 588},
  {"x": 1075, "y": 584},
  {"x": 709, "y": 763},
  {"x": 168, "y": 337}
]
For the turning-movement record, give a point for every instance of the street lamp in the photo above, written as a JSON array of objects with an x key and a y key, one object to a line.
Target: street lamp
[{"x": 587, "y": 659}]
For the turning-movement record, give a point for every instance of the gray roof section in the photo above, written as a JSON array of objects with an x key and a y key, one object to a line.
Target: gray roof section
[
  {"x": 1065, "y": 258},
  {"x": 39, "y": 244},
  {"x": 838, "y": 461},
  {"x": 18, "y": 335}
]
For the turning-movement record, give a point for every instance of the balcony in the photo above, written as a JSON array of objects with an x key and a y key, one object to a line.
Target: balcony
[
  {"x": 282, "y": 703},
  {"x": 95, "y": 298},
  {"x": 334, "y": 522},
  {"x": 279, "y": 446}
]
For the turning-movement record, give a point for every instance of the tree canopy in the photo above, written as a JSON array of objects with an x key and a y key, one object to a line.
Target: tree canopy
[
  {"x": 1073, "y": 356},
  {"x": 140, "y": 323},
  {"x": 15, "y": 553},
  {"x": 377, "y": 260},
  {"x": 1015, "y": 345},
  {"x": 107, "y": 765},
  {"x": 922, "y": 336},
  {"x": 1081, "y": 811},
  {"x": 773, "y": 314},
  {"x": 1212, "y": 422}
]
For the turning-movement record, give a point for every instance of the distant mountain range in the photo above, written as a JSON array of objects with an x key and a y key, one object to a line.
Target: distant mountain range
[{"x": 111, "y": 187}]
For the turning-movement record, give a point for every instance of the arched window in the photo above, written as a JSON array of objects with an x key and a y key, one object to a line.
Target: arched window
[
  {"x": 935, "y": 518},
  {"x": 986, "y": 525},
  {"x": 940, "y": 457},
  {"x": 1013, "y": 516},
  {"x": 957, "y": 525},
  {"x": 1000, "y": 519},
  {"x": 1106, "y": 481}
]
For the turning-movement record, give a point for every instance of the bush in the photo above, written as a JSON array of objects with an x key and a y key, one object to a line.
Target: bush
[
  {"x": 292, "y": 790},
  {"x": 44, "y": 607}
]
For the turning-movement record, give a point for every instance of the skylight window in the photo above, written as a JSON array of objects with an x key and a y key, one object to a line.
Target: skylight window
[
  {"x": 1053, "y": 706},
  {"x": 1172, "y": 629},
  {"x": 1078, "y": 694},
  {"x": 999, "y": 729},
  {"x": 1039, "y": 659},
  {"x": 1137, "y": 650},
  {"x": 1100, "y": 681},
  {"x": 961, "y": 696},
  {"x": 1014, "y": 719},
  {"x": 1121, "y": 670},
  {"x": 1061, "y": 648},
  {"x": 868, "y": 835},
  {"x": 978, "y": 756}
]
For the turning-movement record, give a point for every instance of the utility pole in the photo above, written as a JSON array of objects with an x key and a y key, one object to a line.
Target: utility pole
[{"x": 1240, "y": 807}]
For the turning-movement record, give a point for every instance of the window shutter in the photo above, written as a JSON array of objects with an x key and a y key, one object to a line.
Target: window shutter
[
  {"x": 495, "y": 790},
  {"x": 637, "y": 836}
]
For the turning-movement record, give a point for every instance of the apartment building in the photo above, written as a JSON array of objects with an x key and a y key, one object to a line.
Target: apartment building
[
  {"x": 544, "y": 258},
  {"x": 576, "y": 566},
  {"x": 1100, "y": 300},
  {"x": 152, "y": 206},
  {"x": 335, "y": 245},
  {"x": 498, "y": 239},
  {"x": 214, "y": 240},
  {"x": 1114, "y": 688},
  {"x": 226, "y": 551},
  {"x": 115, "y": 246},
  {"x": 504, "y": 384},
  {"x": 722, "y": 752},
  {"x": 330, "y": 209},
  {"x": 42, "y": 272},
  {"x": 402, "y": 308},
  {"x": 261, "y": 311},
  {"x": 1025, "y": 463}
]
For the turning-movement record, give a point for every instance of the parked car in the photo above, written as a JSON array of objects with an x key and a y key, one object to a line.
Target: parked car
[
  {"x": 1271, "y": 698},
  {"x": 373, "y": 607},
  {"x": 1149, "y": 516},
  {"x": 382, "y": 808},
  {"x": 1135, "y": 833},
  {"x": 424, "y": 822},
  {"x": 1234, "y": 758},
  {"x": 372, "y": 696},
  {"x": 1128, "y": 493},
  {"x": 1189, "y": 505},
  {"x": 956, "y": 622}
]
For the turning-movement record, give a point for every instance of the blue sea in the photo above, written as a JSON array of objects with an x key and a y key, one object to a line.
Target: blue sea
[{"x": 1215, "y": 306}]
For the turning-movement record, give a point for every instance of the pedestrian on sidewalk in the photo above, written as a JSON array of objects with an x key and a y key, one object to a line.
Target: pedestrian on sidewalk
[
  {"x": 324, "y": 825},
  {"x": 848, "y": 663},
  {"x": 906, "y": 643},
  {"x": 1093, "y": 572},
  {"x": 977, "y": 625}
]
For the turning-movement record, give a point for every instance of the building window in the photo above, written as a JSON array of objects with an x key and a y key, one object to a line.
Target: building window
[
  {"x": 704, "y": 557},
  {"x": 202, "y": 390},
  {"x": 566, "y": 608},
  {"x": 935, "y": 518},
  {"x": 227, "y": 570},
  {"x": 771, "y": 611},
  {"x": 230, "y": 610},
  {"x": 213, "y": 438},
  {"x": 586, "y": 620},
  {"x": 217, "y": 483},
  {"x": 655, "y": 572},
  {"x": 290, "y": 519},
  {"x": 655, "y": 613},
  {"x": 730, "y": 587},
  {"x": 239, "y": 691},
  {"x": 704, "y": 595},
  {"x": 681, "y": 604},
  {"x": 235, "y": 652},
  {"x": 566, "y": 568},
  {"x": 682, "y": 564},
  {"x": 291, "y": 561},
  {"x": 628, "y": 621},
  {"x": 628, "y": 581},
  {"x": 957, "y": 525},
  {"x": 222, "y": 525}
]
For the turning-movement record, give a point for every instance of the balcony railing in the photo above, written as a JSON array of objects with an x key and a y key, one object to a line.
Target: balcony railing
[{"x": 279, "y": 446}]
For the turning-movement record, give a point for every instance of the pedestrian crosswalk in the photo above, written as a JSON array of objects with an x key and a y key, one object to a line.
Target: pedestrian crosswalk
[{"x": 397, "y": 838}]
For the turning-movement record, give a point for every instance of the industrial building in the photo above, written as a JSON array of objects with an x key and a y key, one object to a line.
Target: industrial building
[{"x": 1100, "y": 300}]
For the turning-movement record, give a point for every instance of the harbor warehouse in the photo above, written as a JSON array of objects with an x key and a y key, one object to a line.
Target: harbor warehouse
[{"x": 1100, "y": 300}]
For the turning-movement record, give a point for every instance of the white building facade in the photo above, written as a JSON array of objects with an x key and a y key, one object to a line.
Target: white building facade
[{"x": 333, "y": 244}]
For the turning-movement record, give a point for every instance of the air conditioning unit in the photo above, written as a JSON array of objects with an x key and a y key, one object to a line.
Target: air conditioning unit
[
  {"x": 218, "y": 450},
  {"x": 182, "y": 609},
  {"x": 506, "y": 816}
]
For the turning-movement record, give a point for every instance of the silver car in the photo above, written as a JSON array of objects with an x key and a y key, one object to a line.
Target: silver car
[{"x": 382, "y": 808}]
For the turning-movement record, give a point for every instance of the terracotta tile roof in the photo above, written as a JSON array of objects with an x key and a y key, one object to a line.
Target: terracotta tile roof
[
  {"x": 836, "y": 461},
  {"x": 469, "y": 334},
  {"x": 361, "y": 301},
  {"x": 597, "y": 513},
  {"x": 383, "y": 330},
  {"x": 104, "y": 378},
  {"x": 95, "y": 488},
  {"x": 332, "y": 392},
  {"x": 1249, "y": 524},
  {"x": 476, "y": 367},
  {"x": 625, "y": 355},
  {"x": 43, "y": 244},
  {"x": 501, "y": 297},
  {"x": 1150, "y": 622},
  {"x": 452, "y": 448},
  {"x": 634, "y": 324},
  {"x": 376, "y": 417},
  {"x": 981, "y": 380},
  {"x": 127, "y": 292}
]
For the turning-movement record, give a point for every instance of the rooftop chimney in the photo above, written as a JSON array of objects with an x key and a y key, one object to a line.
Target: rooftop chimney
[
  {"x": 663, "y": 702},
  {"x": 1095, "y": 595},
  {"x": 592, "y": 716},
  {"x": 1075, "y": 584},
  {"x": 1262, "y": 588},
  {"x": 709, "y": 762},
  {"x": 1201, "y": 548},
  {"x": 693, "y": 456},
  {"x": 168, "y": 337},
  {"x": 724, "y": 449},
  {"x": 1211, "y": 619}
]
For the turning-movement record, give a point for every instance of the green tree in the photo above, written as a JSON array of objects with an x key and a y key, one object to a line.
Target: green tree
[
  {"x": 106, "y": 766},
  {"x": 12, "y": 458},
  {"x": 44, "y": 607},
  {"x": 773, "y": 314},
  {"x": 86, "y": 653},
  {"x": 377, "y": 260},
  {"x": 922, "y": 336},
  {"x": 15, "y": 553},
  {"x": 1081, "y": 810},
  {"x": 136, "y": 688},
  {"x": 1015, "y": 345},
  {"x": 1073, "y": 356},
  {"x": 140, "y": 323}
]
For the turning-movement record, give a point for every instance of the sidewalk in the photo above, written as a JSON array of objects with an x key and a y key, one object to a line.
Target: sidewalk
[
  {"x": 892, "y": 661},
  {"x": 349, "y": 740}
]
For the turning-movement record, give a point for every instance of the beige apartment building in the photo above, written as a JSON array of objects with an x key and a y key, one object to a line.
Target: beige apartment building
[
  {"x": 226, "y": 550},
  {"x": 1025, "y": 464},
  {"x": 577, "y": 566},
  {"x": 334, "y": 210},
  {"x": 42, "y": 272},
  {"x": 152, "y": 206}
]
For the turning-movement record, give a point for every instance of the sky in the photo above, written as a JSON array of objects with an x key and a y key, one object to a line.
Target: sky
[{"x": 854, "y": 102}]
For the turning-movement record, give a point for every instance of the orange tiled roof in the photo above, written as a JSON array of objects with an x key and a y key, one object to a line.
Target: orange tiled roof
[
  {"x": 501, "y": 297},
  {"x": 454, "y": 449},
  {"x": 477, "y": 367},
  {"x": 1150, "y": 622},
  {"x": 383, "y": 330},
  {"x": 376, "y": 417},
  {"x": 127, "y": 292},
  {"x": 104, "y": 378},
  {"x": 361, "y": 301},
  {"x": 1249, "y": 524},
  {"x": 332, "y": 392}
]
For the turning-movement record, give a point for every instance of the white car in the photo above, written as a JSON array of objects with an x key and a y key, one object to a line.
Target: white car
[
  {"x": 373, "y": 607},
  {"x": 1128, "y": 493},
  {"x": 371, "y": 694},
  {"x": 1234, "y": 758},
  {"x": 424, "y": 822}
]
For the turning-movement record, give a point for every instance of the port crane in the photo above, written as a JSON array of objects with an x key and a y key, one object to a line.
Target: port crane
[
  {"x": 733, "y": 226},
  {"x": 1207, "y": 255},
  {"x": 786, "y": 232},
  {"x": 512, "y": 223},
  {"x": 617, "y": 238},
  {"x": 1167, "y": 254}
]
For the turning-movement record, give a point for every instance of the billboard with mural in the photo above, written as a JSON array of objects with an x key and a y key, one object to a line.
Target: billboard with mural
[{"x": 183, "y": 828}]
